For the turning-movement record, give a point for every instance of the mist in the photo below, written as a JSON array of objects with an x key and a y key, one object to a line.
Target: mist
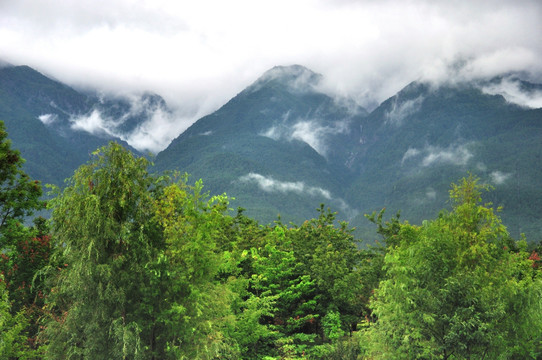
[{"x": 198, "y": 55}]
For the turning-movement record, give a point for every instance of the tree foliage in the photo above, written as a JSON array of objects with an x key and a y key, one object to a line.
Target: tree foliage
[
  {"x": 19, "y": 195},
  {"x": 455, "y": 289},
  {"x": 104, "y": 235},
  {"x": 134, "y": 265}
]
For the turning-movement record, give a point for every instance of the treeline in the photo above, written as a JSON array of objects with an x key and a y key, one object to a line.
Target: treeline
[{"x": 134, "y": 265}]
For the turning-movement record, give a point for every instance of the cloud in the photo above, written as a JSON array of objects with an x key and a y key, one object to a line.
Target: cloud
[
  {"x": 48, "y": 119},
  {"x": 268, "y": 184},
  {"x": 400, "y": 110},
  {"x": 410, "y": 153},
  {"x": 311, "y": 132},
  {"x": 498, "y": 177},
  {"x": 156, "y": 126},
  {"x": 430, "y": 193},
  {"x": 432, "y": 155},
  {"x": 92, "y": 123},
  {"x": 513, "y": 92},
  {"x": 198, "y": 55}
]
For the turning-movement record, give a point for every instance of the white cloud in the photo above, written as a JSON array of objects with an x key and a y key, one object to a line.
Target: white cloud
[
  {"x": 430, "y": 193},
  {"x": 511, "y": 90},
  {"x": 311, "y": 132},
  {"x": 47, "y": 119},
  {"x": 498, "y": 177},
  {"x": 410, "y": 153},
  {"x": 158, "y": 131},
  {"x": 159, "y": 128},
  {"x": 400, "y": 110},
  {"x": 268, "y": 184},
  {"x": 199, "y": 54},
  {"x": 92, "y": 123},
  {"x": 457, "y": 154}
]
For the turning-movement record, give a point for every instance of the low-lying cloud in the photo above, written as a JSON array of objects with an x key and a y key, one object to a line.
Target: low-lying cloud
[
  {"x": 401, "y": 109},
  {"x": 499, "y": 177},
  {"x": 433, "y": 155},
  {"x": 158, "y": 126},
  {"x": 268, "y": 184},
  {"x": 93, "y": 123},
  {"x": 311, "y": 132},
  {"x": 48, "y": 119},
  {"x": 513, "y": 92}
]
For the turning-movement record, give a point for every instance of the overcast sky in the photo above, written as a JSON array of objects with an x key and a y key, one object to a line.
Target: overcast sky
[{"x": 199, "y": 54}]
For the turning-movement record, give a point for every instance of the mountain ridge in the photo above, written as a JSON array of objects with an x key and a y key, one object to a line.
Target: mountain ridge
[{"x": 283, "y": 145}]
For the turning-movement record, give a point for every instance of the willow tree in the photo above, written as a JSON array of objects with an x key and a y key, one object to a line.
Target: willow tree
[{"x": 104, "y": 233}]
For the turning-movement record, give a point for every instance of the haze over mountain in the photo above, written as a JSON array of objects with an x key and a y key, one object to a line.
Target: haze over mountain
[
  {"x": 56, "y": 127},
  {"x": 284, "y": 144}
]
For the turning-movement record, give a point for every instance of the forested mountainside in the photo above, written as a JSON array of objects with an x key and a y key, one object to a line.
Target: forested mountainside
[
  {"x": 56, "y": 127},
  {"x": 138, "y": 265},
  {"x": 283, "y": 146}
]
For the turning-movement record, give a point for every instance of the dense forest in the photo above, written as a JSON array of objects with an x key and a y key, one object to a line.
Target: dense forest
[{"x": 138, "y": 265}]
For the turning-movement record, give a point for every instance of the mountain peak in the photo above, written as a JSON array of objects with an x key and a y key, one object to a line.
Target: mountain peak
[{"x": 296, "y": 78}]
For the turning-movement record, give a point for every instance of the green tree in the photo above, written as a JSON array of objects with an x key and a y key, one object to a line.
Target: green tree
[
  {"x": 454, "y": 289},
  {"x": 104, "y": 235},
  {"x": 19, "y": 195},
  {"x": 23, "y": 249},
  {"x": 13, "y": 341},
  {"x": 196, "y": 306}
]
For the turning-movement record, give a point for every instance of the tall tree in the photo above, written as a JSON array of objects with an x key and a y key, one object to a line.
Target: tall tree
[
  {"x": 195, "y": 310},
  {"x": 23, "y": 249},
  {"x": 103, "y": 230},
  {"x": 19, "y": 195},
  {"x": 455, "y": 288}
]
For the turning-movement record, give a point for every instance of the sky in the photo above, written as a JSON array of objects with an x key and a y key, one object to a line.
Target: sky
[{"x": 199, "y": 54}]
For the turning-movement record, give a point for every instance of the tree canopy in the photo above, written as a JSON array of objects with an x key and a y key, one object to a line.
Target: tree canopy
[{"x": 136, "y": 265}]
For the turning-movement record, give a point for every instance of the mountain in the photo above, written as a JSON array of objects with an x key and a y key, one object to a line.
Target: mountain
[
  {"x": 282, "y": 146},
  {"x": 278, "y": 147},
  {"x": 425, "y": 137},
  {"x": 56, "y": 127}
]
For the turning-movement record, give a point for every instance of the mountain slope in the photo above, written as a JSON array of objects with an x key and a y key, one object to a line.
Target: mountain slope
[
  {"x": 424, "y": 138},
  {"x": 56, "y": 127},
  {"x": 282, "y": 146},
  {"x": 277, "y": 147}
]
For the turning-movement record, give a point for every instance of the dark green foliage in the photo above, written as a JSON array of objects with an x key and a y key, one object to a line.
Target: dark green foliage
[
  {"x": 19, "y": 195},
  {"x": 23, "y": 251}
]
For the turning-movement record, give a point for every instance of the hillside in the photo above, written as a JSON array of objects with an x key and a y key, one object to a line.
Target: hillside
[
  {"x": 283, "y": 146},
  {"x": 56, "y": 127}
]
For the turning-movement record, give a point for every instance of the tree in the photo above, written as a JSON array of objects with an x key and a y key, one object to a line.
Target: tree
[
  {"x": 13, "y": 341},
  {"x": 455, "y": 289},
  {"x": 195, "y": 310},
  {"x": 19, "y": 195},
  {"x": 23, "y": 249},
  {"x": 104, "y": 234}
]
